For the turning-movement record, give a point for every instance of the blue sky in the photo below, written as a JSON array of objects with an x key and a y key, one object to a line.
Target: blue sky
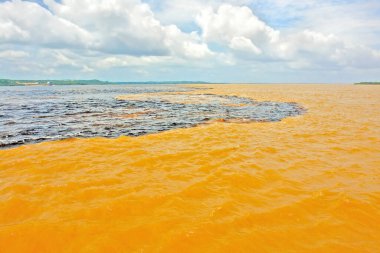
[{"x": 212, "y": 40}]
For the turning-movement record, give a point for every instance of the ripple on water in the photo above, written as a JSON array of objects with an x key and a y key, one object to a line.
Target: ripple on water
[
  {"x": 35, "y": 115},
  {"x": 310, "y": 184}
]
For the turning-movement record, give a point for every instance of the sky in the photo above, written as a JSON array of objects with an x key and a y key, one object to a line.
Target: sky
[{"x": 254, "y": 41}]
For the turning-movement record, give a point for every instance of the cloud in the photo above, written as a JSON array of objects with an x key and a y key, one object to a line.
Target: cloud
[
  {"x": 128, "y": 27},
  {"x": 244, "y": 44},
  {"x": 105, "y": 37},
  {"x": 229, "y": 22},
  {"x": 356, "y": 20},
  {"x": 28, "y": 23},
  {"x": 308, "y": 46},
  {"x": 114, "y": 27},
  {"x": 311, "y": 49},
  {"x": 130, "y": 61},
  {"x": 249, "y": 38},
  {"x": 13, "y": 54},
  {"x": 181, "y": 12}
]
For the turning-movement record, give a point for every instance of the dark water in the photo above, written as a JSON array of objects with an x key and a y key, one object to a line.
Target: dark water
[{"x": 35, "y": 114}]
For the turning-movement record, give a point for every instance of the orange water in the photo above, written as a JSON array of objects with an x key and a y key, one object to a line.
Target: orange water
[{"x": 306, "y": 184}]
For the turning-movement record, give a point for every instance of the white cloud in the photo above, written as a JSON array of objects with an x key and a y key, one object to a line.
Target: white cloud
[
  {"x": 229, "y": 22},
  {"x": 308, "y": 49},
  {"x": 129, "y": 27},
  {"x": 182, "y": 11},
  {"x": 237, "y": 28},
  {"x": 13, "y": 54},
  {"x": 10, "y": 31},
  {"x": 243, "y": 44},
  {"x": 356, "y": 21},
  {"x": 117, "y": 27},
  {"x": 105, "y": 36},
  {"x": 29, "y": 23},
  {"x": 87, "y": 69},
  {"x": 131, "y": 61},
  {"x": 114, "y": 27},
  {"x": 309, "y": 44},
  {"x": 185, "y": 45}
]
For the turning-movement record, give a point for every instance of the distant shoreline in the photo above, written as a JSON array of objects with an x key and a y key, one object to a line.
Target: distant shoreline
[
  {"x": 368, "y": 83},
  {"x": 10, "y": 82}
]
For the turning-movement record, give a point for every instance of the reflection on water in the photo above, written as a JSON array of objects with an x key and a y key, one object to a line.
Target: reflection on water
[{"x": 34, "y": 114}]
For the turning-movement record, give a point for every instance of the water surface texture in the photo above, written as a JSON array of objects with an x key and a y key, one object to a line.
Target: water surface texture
[
  {"x": 305, "y": 184},
  {"x": 35, "y": 114}
]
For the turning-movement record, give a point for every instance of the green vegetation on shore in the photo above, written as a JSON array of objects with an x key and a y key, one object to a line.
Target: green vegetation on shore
[
  {"x": 10, "y": 82},
  {"x": 368, "y": 83}
]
